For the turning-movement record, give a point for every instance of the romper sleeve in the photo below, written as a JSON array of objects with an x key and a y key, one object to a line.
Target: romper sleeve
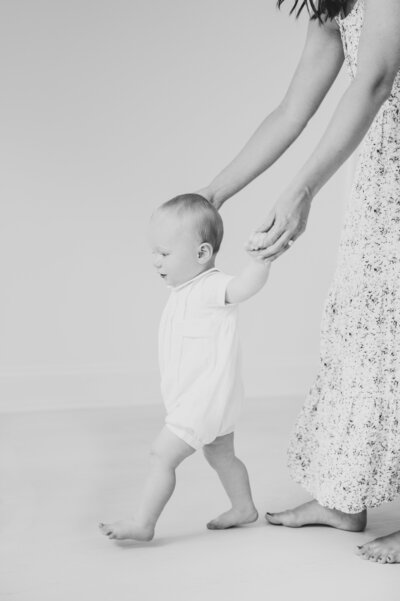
[{"x": 214, "y": 289}]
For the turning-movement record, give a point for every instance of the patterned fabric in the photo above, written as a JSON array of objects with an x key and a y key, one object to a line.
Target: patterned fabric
[{"x": 345, "y": 449}]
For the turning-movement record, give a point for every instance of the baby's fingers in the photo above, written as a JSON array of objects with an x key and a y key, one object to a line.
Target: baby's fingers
[{"x": 256, "y": 241}]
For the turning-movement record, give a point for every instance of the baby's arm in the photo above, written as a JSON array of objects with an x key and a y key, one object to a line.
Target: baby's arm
[{"x": 249, "y": 282}]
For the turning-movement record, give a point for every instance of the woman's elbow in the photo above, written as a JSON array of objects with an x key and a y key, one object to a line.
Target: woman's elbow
[
  {"x": 294, "y": 117},
  {"x": 378, "y": 88},
  {"x": 383, "y": 89}
]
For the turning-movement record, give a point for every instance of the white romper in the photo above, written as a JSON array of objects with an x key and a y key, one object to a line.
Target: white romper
[{"x": 199, "y": 355}]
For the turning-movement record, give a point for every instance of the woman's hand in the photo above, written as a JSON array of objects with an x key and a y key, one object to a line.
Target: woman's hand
[{"x": 285, "y": 223}]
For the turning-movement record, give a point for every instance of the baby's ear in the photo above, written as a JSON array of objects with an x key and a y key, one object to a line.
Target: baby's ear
[{"x": 204, "y": 252}]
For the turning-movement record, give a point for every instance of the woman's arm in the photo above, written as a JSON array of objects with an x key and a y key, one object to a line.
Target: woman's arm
[
  {"x": 319, "y": 65},
  {"x": 378, "y": 64}
]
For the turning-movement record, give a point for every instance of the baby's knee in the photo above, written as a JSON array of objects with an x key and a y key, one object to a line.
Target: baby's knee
[
  {"x": 161, "y": 458},
  {"x": 156, "y": 456},
  {"x": 218, "y": 457}
]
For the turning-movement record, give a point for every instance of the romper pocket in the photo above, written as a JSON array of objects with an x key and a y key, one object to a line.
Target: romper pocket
[
  {"x": 197, "y": 351},
  {"x": 196, "y": 328}
]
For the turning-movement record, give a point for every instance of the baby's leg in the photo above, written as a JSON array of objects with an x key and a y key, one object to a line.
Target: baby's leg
[
  {"x": 167, "y": 453},
  {"x": 220, "y": 454}
]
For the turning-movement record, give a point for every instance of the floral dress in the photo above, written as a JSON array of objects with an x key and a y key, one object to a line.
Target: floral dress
[{"x": 345, "y": 449}]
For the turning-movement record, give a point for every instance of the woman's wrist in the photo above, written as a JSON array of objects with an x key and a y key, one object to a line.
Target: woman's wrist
[
  {"x": 206, "y": 193},
  {"x": 302, "y": 192},
  {"x": 214, "y": 196}
]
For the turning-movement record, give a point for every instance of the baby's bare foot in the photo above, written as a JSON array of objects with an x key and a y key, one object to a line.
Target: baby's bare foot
[
  {"x": 313, "y": 513},
  {"x": 385, "y": 549},
  {"x": 233, "y": 518},
  {"x": 124, "y": 529}
]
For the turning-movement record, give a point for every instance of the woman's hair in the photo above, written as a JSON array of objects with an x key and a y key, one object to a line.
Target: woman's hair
[{"x": 318, "y": 9}]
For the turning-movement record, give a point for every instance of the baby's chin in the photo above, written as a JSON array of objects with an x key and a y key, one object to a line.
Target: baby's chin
[
  {"x": 167, "y": 279},
  {"x": 175, "y": 282}
]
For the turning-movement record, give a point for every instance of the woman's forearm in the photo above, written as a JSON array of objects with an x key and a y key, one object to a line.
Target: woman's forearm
[
  {"x": 349, "y": 124},
  {"x": 319, "y": 64},
  {"x": 275, "y": 134}
]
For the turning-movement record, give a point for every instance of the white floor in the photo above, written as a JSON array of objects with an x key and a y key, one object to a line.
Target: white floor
[{"x": 62, "y": 472}]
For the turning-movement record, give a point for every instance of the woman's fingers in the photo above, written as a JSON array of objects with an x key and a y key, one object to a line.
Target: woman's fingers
[
  {"x": 268, "y": 223},
  {"x": 258, "y": 238},
  {"x": 261, "y": 240},
  {"x": 275, "y": 257},
  {"x": 270, "y": 243},
  {"x": 274, "y": 237},
  {"x": 284, "y": 224},
  {"x": 282, "y": 244}
]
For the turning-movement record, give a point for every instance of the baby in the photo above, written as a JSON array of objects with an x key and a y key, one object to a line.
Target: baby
[{"x": 199, "y": 360}]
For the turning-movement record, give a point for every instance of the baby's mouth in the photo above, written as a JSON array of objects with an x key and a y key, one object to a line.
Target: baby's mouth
[{"x": 163, "y": 275}]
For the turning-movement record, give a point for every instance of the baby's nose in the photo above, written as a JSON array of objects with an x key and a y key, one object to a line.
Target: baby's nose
[{"x": 157, "y": 261}]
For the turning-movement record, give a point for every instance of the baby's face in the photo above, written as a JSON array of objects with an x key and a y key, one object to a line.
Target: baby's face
[{"x": 174, "y": 244}]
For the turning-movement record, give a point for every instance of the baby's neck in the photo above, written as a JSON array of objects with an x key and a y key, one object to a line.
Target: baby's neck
[{"x": 207, "y": 267}]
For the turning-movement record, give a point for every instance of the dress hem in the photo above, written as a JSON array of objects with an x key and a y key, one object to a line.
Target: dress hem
[{"x": 325, "y": 502}]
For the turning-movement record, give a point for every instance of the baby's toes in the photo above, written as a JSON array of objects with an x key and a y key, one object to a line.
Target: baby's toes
[{"x": 105, "y": 529}]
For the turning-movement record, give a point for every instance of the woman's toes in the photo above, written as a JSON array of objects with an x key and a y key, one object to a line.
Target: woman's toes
[{"x": 389, "y": 559}]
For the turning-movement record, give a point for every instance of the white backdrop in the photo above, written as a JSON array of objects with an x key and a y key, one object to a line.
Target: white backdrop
[{"x": 111, "y": 107}]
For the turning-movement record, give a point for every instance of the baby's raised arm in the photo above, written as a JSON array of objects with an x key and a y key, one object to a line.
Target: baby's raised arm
[{"x": 250, "y": 281}]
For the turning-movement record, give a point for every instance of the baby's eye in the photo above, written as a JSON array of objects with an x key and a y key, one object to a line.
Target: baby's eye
[{"x": 164, "y": 254}]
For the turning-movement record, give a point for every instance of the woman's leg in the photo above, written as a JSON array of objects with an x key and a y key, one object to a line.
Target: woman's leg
[
  {"x": 313, "y": 513},
  {"x": 220, "y": 454},
  {"x": 167, "y": 453}
]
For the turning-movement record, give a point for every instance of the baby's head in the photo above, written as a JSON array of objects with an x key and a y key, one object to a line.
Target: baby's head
[{"x": 185, "y": 236}]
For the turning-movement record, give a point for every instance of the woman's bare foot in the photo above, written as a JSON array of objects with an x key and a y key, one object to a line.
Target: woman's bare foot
[
  {"x": 382, "y": 550},
  {"x": 126, "y": 529},
  {"x": 313, "y": 513},
  {"x": 233, "y": 518}
]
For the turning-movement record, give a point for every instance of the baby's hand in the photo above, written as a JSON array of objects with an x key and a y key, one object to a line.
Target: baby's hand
[
  {"x": 256, "y": 241},
  {"x": 254, "y": 244}
]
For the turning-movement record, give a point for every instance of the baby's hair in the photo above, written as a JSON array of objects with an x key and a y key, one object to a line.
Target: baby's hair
[{"x": 209, "y": 222}]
